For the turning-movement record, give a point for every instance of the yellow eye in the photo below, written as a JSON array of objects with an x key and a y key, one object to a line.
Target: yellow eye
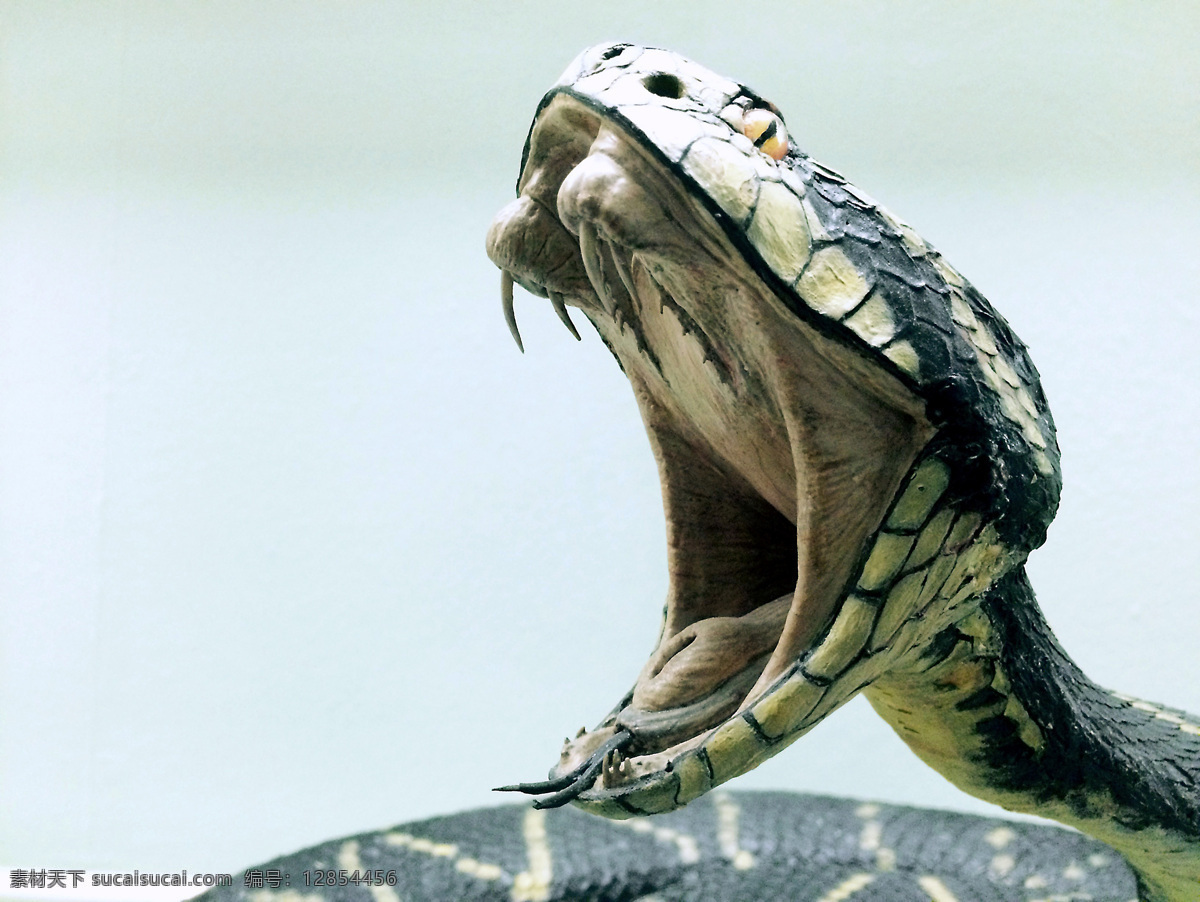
[{"x": 766, "y": 130}]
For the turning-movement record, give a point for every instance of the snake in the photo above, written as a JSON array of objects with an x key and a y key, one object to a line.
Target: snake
[{"x": 856, "y": 458}]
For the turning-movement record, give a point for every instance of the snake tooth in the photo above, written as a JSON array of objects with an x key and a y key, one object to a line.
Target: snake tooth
[
  {"x": 614, "y": 287},
  {"x": 560, "y": 307},
  {"x": 590, "y": 253},
  {"x": 623, "y": 271},
  {"x": 510, "y": 315}
]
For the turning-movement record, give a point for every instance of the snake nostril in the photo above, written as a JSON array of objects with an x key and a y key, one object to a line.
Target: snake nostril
[
  {"x": 613, "y": 51},
  {"x": 664, "y": 85}
]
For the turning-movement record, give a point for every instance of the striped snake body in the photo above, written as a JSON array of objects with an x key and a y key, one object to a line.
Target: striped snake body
[{"x": 725, "y": 847}]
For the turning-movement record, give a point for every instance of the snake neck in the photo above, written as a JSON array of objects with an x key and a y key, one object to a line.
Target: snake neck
[{"x": 1000, "y": 710}]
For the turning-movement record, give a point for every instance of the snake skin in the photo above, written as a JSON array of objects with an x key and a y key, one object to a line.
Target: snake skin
[
  {"x": 937, "y": 623},
  {"x": 726, "y": 847},
  {"x": 785, "y": 265}
]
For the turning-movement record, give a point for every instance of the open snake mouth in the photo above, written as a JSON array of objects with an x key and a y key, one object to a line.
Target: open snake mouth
[{"x": 785, "y": 443}]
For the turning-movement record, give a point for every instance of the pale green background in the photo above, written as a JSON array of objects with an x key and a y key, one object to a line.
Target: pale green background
[{"x": 294, "y": 543}]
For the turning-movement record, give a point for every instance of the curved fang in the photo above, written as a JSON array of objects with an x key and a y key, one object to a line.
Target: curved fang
[
  {"x": 560, "y": 307},
  {"x": 622, "y": 269},
  {"x": 594, "y": 267},
  {"x": 567, "y": 787},
  {"x": 510, "y": 315}
]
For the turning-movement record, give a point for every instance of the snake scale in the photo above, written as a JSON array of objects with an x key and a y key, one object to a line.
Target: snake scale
[{"x": 856, "y": 458}]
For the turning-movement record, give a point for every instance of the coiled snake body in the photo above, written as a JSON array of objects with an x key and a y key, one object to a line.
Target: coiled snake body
[{"x": 856, "y": 458}]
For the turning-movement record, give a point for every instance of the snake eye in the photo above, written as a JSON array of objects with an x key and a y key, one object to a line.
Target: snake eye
[{"x": 766, "y": 130}]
